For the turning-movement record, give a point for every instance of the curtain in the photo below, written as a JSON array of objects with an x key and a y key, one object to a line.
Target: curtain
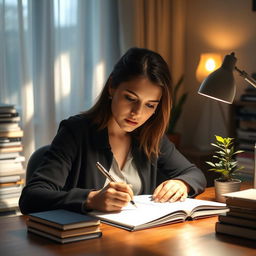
[
  {"x": 55, "y": 57},
  {"x": 57, "y": 54},
  {"x": 158, "y": 25}
]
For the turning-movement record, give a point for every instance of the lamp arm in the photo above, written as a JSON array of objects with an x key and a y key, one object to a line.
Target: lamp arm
[{"x": 246, "y": 77}]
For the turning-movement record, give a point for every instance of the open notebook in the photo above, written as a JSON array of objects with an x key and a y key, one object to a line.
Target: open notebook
[{"x": 149, "y": 213}]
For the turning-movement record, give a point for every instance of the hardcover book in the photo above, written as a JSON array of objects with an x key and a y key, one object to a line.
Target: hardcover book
[
  {"x": 242, "y": 199},
  {"x": 12, "y": 133},
  {"x": 237, "y": 221},
  {"x": 233, "y": 230},
  {"x": 64, "y": 219},
  {"x": 63, "y": 233},
  {"x": 67, "y": 239}
]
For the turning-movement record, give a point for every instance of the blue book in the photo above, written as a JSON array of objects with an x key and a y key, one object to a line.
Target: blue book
[{"x": 63, "y": 219}]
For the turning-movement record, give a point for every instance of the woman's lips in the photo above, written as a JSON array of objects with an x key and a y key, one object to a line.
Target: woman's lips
[{"x": 133, "y": 123}]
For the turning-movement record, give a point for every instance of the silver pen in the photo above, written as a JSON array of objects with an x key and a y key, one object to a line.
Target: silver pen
[{"x": 109, "y": 177}]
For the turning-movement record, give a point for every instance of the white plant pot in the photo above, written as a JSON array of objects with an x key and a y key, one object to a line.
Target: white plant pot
[{"x": 225, "y": 187}]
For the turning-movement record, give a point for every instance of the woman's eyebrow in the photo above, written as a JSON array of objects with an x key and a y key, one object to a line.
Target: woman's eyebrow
[{"x": 138, "y": 96}]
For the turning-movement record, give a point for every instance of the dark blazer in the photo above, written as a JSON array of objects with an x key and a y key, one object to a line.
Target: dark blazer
[{"x": 68, "y": 171}]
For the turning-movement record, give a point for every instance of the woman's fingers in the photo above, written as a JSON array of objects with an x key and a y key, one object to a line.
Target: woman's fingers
[
  {"x": 171, "y": 190},
  {"x": 113, "y": 197},
  {"x": 123, "y": 190}
]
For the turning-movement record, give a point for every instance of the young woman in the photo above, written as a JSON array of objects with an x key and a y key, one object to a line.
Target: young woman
[{"x": 124, "y": 131}]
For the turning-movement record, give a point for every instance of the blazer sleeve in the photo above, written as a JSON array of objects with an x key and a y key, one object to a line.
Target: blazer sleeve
[
  {"x": 49, "y": 186},
  {"x": 173, "y": 165}
]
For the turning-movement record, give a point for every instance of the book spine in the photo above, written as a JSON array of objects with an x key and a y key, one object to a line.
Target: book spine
[{"x": 235, "y": 230}]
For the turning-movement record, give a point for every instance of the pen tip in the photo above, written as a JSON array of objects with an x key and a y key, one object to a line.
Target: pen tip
[{"x": 133, "y": 203}]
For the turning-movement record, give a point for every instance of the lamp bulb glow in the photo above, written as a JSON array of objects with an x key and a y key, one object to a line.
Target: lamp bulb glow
[{"x": 210, "y": 65}]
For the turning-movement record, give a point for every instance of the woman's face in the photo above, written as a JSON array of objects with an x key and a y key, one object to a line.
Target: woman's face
[{"x": 134, "y": 102}]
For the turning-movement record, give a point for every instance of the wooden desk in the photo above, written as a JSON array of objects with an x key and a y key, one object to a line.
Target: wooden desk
[{"x": 191, "y": 238}]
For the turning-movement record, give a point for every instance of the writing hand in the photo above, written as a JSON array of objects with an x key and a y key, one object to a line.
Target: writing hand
[
  {"x": 171, "y": 190},
  {"x": 113, "y": 197}
]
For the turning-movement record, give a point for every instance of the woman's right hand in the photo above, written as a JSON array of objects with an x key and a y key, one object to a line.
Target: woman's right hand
[{"x": 112, "y": 197}]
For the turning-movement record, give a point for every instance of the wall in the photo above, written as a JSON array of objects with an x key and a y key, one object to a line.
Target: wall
[{"x": 214, "y": 26}]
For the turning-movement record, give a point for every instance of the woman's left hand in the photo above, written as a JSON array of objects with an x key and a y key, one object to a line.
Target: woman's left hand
[{"x": 171, "y": 190}]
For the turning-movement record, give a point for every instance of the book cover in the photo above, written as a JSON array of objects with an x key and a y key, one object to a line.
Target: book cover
[
  {"x": 64, "y": 219},
  {"x": 247, "y": 135},
  {"x": 9, "y": 156},
  {"x": 150, "y": 214},
  {"x": 13, "y": 119},
  {"x": 241, "y": 213},
  {"x": 233, "y": 230},
  {"x": 241, "y": 203},
  {"x": 10, "y": 166},
  {"x": 247, "y": 124},
  {"x": 238, "y": 221},
  {"x": 10, "y": 190},
  {"x": 9, "y": 126},
  {"x": 248, "y": 97},
  {"x": 246, "y": 194},
  {"x": 10, "y": 178},
  {"x": 11, "y": 184},
  {"x": 10, "y": 134},
  {"x": 63, "y": 233},
  {"x": 9, "y": 203},
  {"x": 10, "y": 195},
  {"x": 11, "y": 172},
  {"x": 67, "y": 239},
  {"x": 7, "y": 108},
  {"x": 10, "y": 144},
  {"x": 242, "y": 199},
  {"x": 11, "y": 149},
  {"x": 8, "y": 115}
]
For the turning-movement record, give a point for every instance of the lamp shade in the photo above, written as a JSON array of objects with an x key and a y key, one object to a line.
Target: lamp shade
[{"x": 220, "y": 84}]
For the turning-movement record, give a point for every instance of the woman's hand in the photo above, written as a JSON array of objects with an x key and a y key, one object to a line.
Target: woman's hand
[
  {"x": 113, "y": 197},
  {"x": 171, "y": 190}
]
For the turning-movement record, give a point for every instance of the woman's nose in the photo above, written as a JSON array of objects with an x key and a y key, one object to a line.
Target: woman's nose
[{"x": 137, "y": 109}]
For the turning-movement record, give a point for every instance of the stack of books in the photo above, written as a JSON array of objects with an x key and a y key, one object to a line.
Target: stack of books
[
  {"x": 246, "y": 138},
  {"x": 250, "y": 93},
  {"x": 64, "y": 226},
  {"x": 240, "y": 221},
  {"x": 12, "y": 172}
]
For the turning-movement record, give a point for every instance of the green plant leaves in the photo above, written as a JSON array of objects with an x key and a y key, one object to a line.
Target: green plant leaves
[
  {"x": 219, "y": 139},
  {"x": 225, "y": 154}
]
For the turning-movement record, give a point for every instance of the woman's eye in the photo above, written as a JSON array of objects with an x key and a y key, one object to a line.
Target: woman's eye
[
  {"x": 129, "y": 98},
  {"x": 150, "y": 105}
]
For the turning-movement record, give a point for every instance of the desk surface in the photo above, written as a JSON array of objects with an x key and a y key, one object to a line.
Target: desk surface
[{"x": 190, "y": 238}]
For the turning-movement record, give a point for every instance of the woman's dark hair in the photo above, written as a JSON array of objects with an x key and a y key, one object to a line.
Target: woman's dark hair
[{"x": 139, "y": 62}]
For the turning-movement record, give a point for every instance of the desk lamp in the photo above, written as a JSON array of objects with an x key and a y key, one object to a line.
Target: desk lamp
[{"x": 220, "y": 85}]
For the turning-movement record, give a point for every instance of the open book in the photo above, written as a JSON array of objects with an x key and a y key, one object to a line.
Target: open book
[{"x": 150, "y": 214}]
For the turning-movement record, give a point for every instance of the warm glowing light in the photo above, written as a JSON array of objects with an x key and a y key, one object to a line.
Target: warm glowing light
[
  {"x": 207, "y": 64},
  {"x": 210, "y": 65}
]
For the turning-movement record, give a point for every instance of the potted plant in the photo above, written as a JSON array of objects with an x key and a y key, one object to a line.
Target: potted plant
[
  {"x": 226, "y": 165},
  {"x": 177, "y": 107}
]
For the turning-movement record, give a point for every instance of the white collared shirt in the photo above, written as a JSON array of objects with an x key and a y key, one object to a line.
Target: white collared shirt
[{"x": 129, "y": 174}]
